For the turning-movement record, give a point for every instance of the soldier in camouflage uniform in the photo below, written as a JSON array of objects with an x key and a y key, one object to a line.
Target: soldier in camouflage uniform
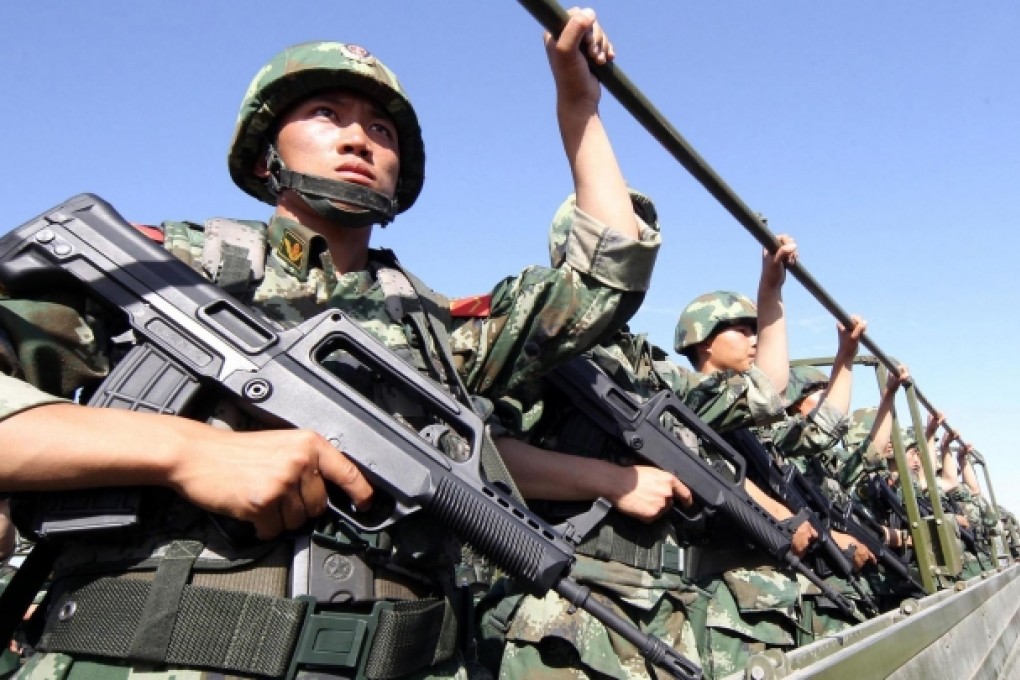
[
  {"x": 752, "y": 604},
  {"x": 810, "y": 437},
  {"x": 1011, "y": 532},
  {"x": 327, "y": 135},
  {"x": 964, "y": 493},
  {"x": 632, "y": 561},
  {"x": 817, "y": 407}
]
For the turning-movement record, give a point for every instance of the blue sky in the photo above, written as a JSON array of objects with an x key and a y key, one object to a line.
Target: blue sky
[{"x": 883, "y": 136}]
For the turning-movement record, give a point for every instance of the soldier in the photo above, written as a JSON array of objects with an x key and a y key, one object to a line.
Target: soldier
[
  {"x": 632, "y": 560},
  {"x": 1011, "y": 530},
  {"x": 327, "y": 135},
  {"x": 818, "y": 405},
  {"x": 964, "y": 494},
  {"x": 753, "y": 605}
]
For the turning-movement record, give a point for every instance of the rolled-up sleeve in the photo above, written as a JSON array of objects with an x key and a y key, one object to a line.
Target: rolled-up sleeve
[
  {"x": 17, "y": 396},
  {"x": 608, "y": 256}
]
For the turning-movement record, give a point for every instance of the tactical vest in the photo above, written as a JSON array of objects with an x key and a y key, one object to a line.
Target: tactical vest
[
  {"x": 172, "y": 590},
  {"x": 566, "y": 429}
]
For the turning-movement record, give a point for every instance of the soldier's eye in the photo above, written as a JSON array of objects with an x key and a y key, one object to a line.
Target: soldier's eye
[{"x": 385, "y": 130}]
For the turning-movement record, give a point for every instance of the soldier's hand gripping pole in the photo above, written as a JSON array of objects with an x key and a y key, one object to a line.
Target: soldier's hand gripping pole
[
  {"x": 195, "y": 347},
  {"x": 553, "y": 18}
]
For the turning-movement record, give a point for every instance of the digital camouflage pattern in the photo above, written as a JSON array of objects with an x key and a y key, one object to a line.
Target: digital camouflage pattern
[
  {"x": 818, "y": 435},
  {"x": 861, "y": 422},
  {"x": 303, "y": 69},
  {"x": 548, "y": 638},
  {"x": 544, "y": 316},
  {"x": 644, "y": 208},
  {"x": 701, "y": 317},
  {"x": 804, "y": 381},
  {"x": 745, "y": 611},
  {"x": 813, "y": 443},
  {"x": 541, "y": 637}
]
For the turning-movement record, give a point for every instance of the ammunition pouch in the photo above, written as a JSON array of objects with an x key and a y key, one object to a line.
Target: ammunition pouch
[{"x": 355, "y": 613}]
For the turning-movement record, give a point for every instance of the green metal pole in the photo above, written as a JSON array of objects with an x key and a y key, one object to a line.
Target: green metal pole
[
  {"x": 922, "y": 548},
  {"x": 1000, "y": 529},
  {"x": 553, "y": 17}
]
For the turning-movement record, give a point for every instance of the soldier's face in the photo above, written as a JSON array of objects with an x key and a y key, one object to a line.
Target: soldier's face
[
  {"x": 914, "y": 461},
  {"x": 733, "y": 348},
  {"x": 342, "y": 135}
]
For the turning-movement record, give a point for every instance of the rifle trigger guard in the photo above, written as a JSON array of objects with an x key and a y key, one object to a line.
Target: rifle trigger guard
[
  {"x": 578, "y": 528},
  {"x": 793, "y": 523}
]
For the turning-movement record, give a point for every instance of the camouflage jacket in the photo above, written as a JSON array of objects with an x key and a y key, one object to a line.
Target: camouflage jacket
[
  {"x": 55, "y": 344},
  {"x": 802, "y": 437},
  {"x": 591, "y": 294},
  {"x": 725, "y": 400}
]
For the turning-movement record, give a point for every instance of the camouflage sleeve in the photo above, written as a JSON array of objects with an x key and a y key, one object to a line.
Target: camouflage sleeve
[
  {"x": 547, "y": 315},
  {"x": 960, "y": 494},
  {"x": 52, "y": 341},
  {"x": 17, "y": 396},
  {"x": 810, "y": 435},
  {"x": 609, "y": 257},
  {"x": 727, "y": 400}
]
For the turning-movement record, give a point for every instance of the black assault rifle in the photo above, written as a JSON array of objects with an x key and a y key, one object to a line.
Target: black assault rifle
[
  {"x": 887, "y": 496},
  {"x": 639, "y": 426},
  {"x": 196, "y": 345},
  {"x": 852, "y": 518},
  {"x": 801, "y": 496}
]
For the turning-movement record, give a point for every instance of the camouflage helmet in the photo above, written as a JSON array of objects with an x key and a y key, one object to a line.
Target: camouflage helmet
[
  {"x": 909, "y": 439},
  {"x": 702, "y": 316},
  {"x": 804, "y": 380},
  {"x": 861, "y": 422},
  {"x": 560, "y": 227},
  {"x": 296, "y": 73}
]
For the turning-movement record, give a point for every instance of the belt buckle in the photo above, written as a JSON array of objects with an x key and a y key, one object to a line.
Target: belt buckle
[
  {"x": 672, "y": 559},
  {"x": 335, "y": 639}
]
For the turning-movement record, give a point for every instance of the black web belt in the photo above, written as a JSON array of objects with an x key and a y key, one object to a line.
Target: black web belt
[{"x": 246, "y": 633}]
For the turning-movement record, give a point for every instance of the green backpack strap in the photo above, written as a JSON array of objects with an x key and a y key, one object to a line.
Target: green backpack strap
[{"x": 436, "y": 319}]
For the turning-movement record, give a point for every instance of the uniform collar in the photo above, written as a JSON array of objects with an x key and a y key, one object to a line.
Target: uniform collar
[{"x": 298, "y": 248}]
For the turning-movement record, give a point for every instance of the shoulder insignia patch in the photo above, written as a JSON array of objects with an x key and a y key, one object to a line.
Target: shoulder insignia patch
[
  {"x": 154, "y": 233},
  {"x": 473, "y": 306}
]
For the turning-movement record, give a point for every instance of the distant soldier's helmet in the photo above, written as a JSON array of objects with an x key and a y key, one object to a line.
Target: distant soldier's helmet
[
  {"x": 909, "y": 439},
  {"x": 804, "y": 380},
  {"x": 560, "y": 227},
  {"x": 292, "y": 76},
  {"x": 706, "y": 313}
]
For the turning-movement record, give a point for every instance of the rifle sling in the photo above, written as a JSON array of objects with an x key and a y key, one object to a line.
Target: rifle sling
[
  {"x": 432, "y": 319},
  {"x": 23, "y": 587}
]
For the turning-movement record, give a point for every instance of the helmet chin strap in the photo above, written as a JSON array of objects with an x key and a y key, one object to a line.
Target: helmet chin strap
[{"x": 320, "y": 193}]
